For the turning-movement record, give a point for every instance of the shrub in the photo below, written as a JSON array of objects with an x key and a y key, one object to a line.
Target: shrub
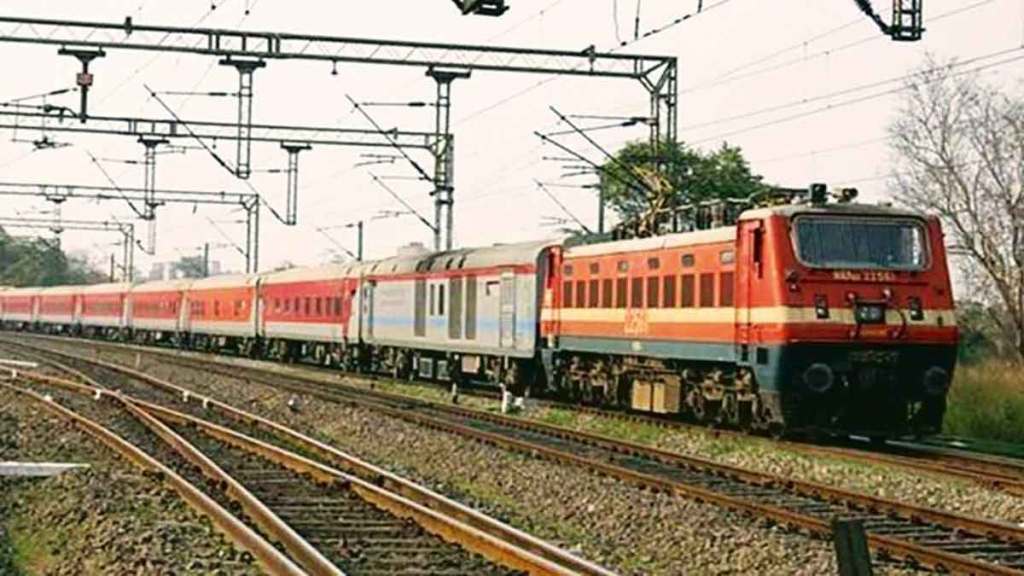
[{"x": 987, "y": 402}]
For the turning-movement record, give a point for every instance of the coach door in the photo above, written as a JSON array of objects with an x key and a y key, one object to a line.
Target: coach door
[
  {"x": 367, "y": 303},
  {"x": 507, "y": 311},
  {"x": 749, "y": 271}
]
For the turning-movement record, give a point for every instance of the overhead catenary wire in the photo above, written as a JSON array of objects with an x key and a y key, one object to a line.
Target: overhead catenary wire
[
  {"x": 842, "y": 104},
  {"x": 562, "y": 206},
  {"x": 850, "y": 90},
  {"x": 731, "y": 77}
]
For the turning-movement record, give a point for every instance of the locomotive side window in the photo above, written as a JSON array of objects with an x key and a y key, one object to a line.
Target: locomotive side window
[
  {"x": 620, "y": 293},
  {"x": 860, "y": 242},
  {"x": 592, "y": 300},
  {"x": 566, "y": 294},
  {"x": 707, "y": 290},
  {"x": 637, "y": 293},
  {"x": 653, "y": 286},
  {"x": 606, "y": 293},
  {"x": 581, "y": 294},
  {"x": 687, "y": 299},
  {"x": 668, "y": 292},
  {"x": 726, "y": 289}
]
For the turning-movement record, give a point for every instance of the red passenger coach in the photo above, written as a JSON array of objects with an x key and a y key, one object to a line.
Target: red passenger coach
[
  {"x": 307, "y": 312},
  {"x": 221, "y": 312},
  {"x": 59, "y": 308},
  {"x": 19, "y": 306},
  {"x": 103, "y": 309},
  {"x": 158, "y": 310}
]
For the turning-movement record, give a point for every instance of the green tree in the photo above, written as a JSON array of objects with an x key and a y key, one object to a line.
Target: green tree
[
  {"x": 191, "y": 266},
  {"x": 689, "y": 176},
  {"x": 41, "y": 262}
]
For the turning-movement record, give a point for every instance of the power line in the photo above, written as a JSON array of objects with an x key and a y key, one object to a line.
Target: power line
[
  {"x": 728, "y": 79},
  {"x": 842, "y": 104},
  {"x": 850, "y": 90}
]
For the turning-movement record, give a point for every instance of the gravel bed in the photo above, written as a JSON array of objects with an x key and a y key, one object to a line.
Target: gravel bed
[
  {"x": 628, "y": 529},
  {"x": 107, "y": 519}
]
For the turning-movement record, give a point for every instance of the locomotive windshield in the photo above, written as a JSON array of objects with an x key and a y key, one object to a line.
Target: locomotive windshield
[{"x": 861, "y": 242}]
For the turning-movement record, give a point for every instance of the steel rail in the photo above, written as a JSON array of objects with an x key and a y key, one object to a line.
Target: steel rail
[
  {"x": 302, "y": 551},
  {"x": 439, "y": 417},
  {"x": 438, "y": 514},
  {"x": 270, "y": 558}
]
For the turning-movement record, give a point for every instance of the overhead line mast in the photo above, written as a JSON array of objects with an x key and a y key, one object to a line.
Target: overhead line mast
[{"x": 657, "y": 74}]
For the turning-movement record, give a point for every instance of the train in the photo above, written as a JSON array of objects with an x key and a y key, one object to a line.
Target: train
[{"x": 817, "y": 317}]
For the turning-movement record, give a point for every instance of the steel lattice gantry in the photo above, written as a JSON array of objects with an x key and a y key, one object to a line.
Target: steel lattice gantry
[
  {"x": 60, "y": 193},
  {"x": 247, "y": 50},
  {"x": 58, "y": 226}
]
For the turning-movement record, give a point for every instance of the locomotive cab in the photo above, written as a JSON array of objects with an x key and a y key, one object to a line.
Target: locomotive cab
[{"x": 845, "y": 317}]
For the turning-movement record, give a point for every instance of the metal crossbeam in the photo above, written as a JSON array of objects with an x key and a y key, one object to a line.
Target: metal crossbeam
[
  {"x": 60, "y": 193},
  {"x": 58, "y": 226},
  {"x": 64, "y": 120},
  {"x": 284, "y": 46}
]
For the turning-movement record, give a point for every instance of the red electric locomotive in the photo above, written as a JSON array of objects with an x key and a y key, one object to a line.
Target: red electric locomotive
[{"x": 834, "y": 317}]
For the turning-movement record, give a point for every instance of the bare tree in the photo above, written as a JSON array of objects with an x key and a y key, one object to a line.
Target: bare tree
[{"x": 959, "y": 146}]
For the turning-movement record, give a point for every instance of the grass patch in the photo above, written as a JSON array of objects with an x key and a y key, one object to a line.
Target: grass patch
[{"x": 987, "y": 402}]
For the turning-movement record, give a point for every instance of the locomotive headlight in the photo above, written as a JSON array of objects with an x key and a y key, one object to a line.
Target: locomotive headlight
[
  {"x": 936, "y": 381},
  {"x": 916, "y": 310},
  {"x": 869, "y": 314}
]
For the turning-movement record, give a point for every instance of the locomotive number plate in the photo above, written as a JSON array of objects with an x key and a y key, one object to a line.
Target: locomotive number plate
[{"x": 877, "y": 357}]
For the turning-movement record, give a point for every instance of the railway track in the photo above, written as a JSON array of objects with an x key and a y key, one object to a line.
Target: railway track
[
  {"x": 999, "y": 473},
  {"x": 918, "y": 535},
  {"x": 373, "y": 524}
]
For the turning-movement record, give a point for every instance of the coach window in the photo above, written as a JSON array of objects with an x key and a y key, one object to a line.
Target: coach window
[
  {"x": 592, "y": 297},
  {"x": 653, "y": 296},
  {"x": 566, "y": 294},
  {"x": 581, "y": 294},
  {"x": 440, "y": 300},
  {"x": 620, "y": 292},
  {"x": 687, "y": 299},
  {"x": 216, "y": 308},
  {"x": 305, "y": 306},
  {"x": 433, "y": 299},
  {"x": 707, "y": 290},
  {"x": 727, "y": 257},
  {"x": 622, "y": 266},
  {"x": 567, "y": 270},
  {"x": 337, "y": 306},
  {"x": 295, "y": 307},
  {"x": 688, "y": 260},
  {"x": 637, "y": 293},
  {"x": 668, "y": 292},
  {"x": 595, "y": 268},
  {"x": 319, "y": 306},
  {"x": 277, "y": 305},
  {"x": 653, "y": 263},
  {"x": 606, "y": 293},
  {"x": 725, "y": 289}
]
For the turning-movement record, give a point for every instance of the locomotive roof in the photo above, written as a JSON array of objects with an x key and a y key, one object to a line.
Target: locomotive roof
[
  {"x": 107, "y": 288},
  {"x": 226, "y": 281},
  {"x": 695, "y": 238},
  {"x": 845, "y": 208},
  {"x": 162, "y": 286},
  {"x": 522, "y": 253}
]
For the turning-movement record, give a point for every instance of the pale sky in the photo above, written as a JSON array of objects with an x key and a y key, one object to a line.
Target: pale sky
[{"x": 779, "y": 52}]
